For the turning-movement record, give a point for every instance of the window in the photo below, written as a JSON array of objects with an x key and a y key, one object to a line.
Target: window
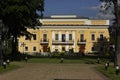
[
  {"x": 81, "y": 37},
  {"x": 44, "y": 37},
  {"x": 93, "y": 37},
  {"x": 92, "y": 49},
  {"x": 63, "y": 48},
  {"x": 56, "y": 36},
  {"x": 63, "y": 37},
  {"x": 101, "y": 48},
  {"x": 69, "y": 50},
  {"x": 34, "y": 48},
  {"x": 34, "y": 36},
  {"x": 26, "y": 38},
  {"x": 26, "y": 48},
  {"x": 70, "y": 36},
  {"x": 101, "y": 36}
]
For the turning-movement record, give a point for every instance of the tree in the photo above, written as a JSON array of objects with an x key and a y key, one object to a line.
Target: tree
[
  {"x": 18, "y": 15},
  {"x": 116, "y": 12},
  {"x": 101, "y": 46}
]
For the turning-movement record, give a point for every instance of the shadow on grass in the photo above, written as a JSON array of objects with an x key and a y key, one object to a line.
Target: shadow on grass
[
  {"x": 83, "y": 60},
  {"x": 9, "y": 67},
  {"x": 110, "y": 72}
]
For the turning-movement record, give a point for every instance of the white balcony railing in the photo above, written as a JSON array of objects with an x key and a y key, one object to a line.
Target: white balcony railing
[{"x": 71, "y": 42}]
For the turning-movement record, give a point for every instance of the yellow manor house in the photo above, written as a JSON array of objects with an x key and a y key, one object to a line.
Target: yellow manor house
[{"x": 65, "y": 33}]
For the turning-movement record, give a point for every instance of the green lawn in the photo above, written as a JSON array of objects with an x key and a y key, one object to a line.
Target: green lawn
[
  {"x": 8, "y": 68},
  {"x": 109, "y": 73},
  {"x": 57, "y": 60}
]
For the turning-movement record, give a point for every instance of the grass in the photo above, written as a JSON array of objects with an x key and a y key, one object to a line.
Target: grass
[
  {"x": 9, "y": 67},
  {"x": 110, "y": 72},
  {"x": 66, "y": 60}
]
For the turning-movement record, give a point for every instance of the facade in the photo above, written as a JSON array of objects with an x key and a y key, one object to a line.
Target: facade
[{"x": 63, "y": 33}]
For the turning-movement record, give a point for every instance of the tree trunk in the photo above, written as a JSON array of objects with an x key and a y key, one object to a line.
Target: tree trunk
[
  {"x": 118, "y": 50},
  {"x": 117, "y": 39},
  {"x": 14, "y": 47}
]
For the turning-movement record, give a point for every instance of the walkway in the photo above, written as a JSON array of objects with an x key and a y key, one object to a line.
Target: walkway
[{"x": 40, "y": 71}]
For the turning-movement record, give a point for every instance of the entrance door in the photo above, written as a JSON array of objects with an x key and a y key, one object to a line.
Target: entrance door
[
  {"x": 45, "y": 48},
  {"x": 82, "y": 48}
]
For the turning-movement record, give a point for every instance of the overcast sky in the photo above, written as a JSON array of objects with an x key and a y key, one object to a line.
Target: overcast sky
[{"x": 86, "y": 8}]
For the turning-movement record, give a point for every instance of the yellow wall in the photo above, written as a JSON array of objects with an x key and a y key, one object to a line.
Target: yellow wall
[
  {"x": 98, "y": 22},
  {"x": 64, "y": 23},
  {"x": 76, "y": 29}
]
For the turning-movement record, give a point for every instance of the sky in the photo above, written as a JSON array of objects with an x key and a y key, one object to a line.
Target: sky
[{"x": 84, "y": 8}]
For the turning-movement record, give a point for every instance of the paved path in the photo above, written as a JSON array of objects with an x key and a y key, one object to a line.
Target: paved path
[{"x": 42, "y": 71}]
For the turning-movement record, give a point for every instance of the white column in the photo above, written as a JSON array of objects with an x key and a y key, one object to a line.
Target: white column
[
  {"x": 67, "y": 47},
  {"x": 59, "y": 48},
  {"x": 67, "y": 36},
  {"x": 73, "y": 38},
  {"x": 73, "y": 35},
  {"x": 53, "y": 35},
  {"x": 53, "y": 48},
  {"x": 60, "y": 36}
]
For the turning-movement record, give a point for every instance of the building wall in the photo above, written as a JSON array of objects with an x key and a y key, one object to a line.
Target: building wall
[{"x": 85, "y": 27}]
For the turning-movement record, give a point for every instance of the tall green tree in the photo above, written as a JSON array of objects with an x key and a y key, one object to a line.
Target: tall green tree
[
  {"x": 18, "y": 15},
  {"x": 116, "y": 27}
]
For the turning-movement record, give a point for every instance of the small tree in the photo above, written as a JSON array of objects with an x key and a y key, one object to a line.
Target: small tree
[
  {"x": 102, "y": 46},
  {"x": 72, "y": 50},
  {"x": 48, "y": 50}
]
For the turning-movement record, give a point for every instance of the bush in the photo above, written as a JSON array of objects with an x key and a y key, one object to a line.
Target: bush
[{"x": 55, "y": 53}]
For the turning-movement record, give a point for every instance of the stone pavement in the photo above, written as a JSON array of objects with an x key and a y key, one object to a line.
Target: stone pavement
[{"x": 42, "y": 71}]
